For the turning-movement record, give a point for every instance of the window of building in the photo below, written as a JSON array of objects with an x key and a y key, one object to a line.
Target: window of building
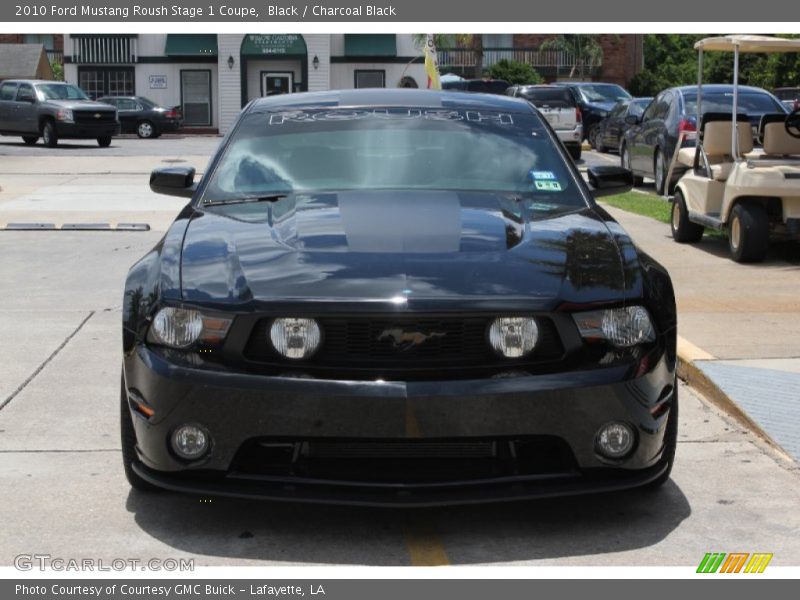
[
  {"x": 106, "y": 81},
  {"x": 370, "y": 79},
  {"x": 46, "y": 39}
]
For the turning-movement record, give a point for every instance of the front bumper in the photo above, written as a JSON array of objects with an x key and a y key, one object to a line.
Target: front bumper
[
  {"x": 241, "y": 409},
  {"x": 86, "y": 130}
]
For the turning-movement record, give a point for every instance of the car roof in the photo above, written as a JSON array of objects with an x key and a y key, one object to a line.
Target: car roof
[
  {"x": 719, "y": 87},
  {"x": 35, "y": 81},
  {"x": 399, "y": 97}
]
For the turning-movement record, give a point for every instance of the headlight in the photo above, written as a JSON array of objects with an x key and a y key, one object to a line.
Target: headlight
[
  {"x": 295, "y": 338},
  {"x": 623, "y": 327},
  {"x": 64, "y": 114},
  {"x": 513, "y": 337},
  {"x": 182, "y": 327}
]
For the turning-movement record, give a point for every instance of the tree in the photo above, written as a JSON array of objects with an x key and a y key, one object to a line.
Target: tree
[
  {"x": 583, "y": 47},
  {"x": 514, "y": 72}
]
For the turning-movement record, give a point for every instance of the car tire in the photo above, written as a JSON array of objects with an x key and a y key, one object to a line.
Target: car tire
[
  {"x": 591, "y": 137},
  {"x": 598, "y": 145},
  {"x": 145, "y": 130},
  {"x": 104, "y": 142},
  {"x": 625, "y": 163},
  {"x": 683, "y": 230},
  {"x": 574, "y": 151},
  {"x": 670, "y": 444},
  {"x": 30, "y": 140},
  {"x": 748, "y": 232},
  {"x": 660, "y": 172},
  {"x": 128, "y": 439},
  {"x": 49, "y": 135}
]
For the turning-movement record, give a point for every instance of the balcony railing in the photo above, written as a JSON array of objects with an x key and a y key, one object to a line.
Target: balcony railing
[
  {"x": 465, "y": 57},
  {"x": 56, "y": 57},
  {"x": 104, "y": 49}
]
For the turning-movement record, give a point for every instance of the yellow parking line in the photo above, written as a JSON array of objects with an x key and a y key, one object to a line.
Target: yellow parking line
[{"x": 425, "y": 547}]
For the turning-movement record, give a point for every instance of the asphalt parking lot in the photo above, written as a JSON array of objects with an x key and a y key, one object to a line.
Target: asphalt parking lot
[{"x": 62, "y": 490}]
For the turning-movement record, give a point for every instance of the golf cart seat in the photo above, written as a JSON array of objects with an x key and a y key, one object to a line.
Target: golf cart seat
[
  {"x": 774, "y": 138},
  {"x": 715, "y": 133}
]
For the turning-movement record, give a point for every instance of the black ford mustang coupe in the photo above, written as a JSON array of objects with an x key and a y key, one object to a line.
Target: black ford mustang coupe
[{"x": 396, "y": 297}]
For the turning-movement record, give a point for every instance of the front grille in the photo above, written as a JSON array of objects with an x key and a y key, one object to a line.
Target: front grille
[
  {"x": 405, "y": 342},
  {"x": 394, "y": 461},
  {"x": 87, "y": 117}
]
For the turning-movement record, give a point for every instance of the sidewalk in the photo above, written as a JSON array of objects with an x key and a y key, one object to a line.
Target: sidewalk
[{"x": 739, "y": 328}]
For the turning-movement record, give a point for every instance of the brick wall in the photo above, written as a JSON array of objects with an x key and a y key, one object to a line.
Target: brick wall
[
  {"x": 19, "y": 38},
  {"x": 622, "y": 54}
]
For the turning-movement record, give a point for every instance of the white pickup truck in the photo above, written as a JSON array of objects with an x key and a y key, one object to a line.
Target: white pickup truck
[{"x": 558, "y": 106}]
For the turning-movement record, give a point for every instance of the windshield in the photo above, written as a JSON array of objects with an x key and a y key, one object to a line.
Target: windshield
[
  {"x": 603, "y": 92},
  {"x": 751, "y": 103},
  {"x": 549, "y": 97},
  {"x": 60, "y": 91},
  {"x": 392, "y": 149}
]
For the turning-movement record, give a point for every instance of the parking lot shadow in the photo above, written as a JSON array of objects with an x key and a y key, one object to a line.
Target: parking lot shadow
[
  {"x": 779, "y": 253},
  {"x": 226, "y": 530}
]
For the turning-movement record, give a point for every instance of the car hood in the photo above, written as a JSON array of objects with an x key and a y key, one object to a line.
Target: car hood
[
  {"x": 406, "y": 246},
  {"x": 81, "y": 105}
]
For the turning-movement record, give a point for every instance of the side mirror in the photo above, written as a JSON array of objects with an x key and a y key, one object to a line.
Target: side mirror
[
  {"x": 173, "y": 181},
  {"x": 633, "y": 120},
  {"x": 607, "y": 180}
]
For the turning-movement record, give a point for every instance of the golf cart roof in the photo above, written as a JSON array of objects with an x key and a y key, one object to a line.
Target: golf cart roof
[{"x": 748, "y": 43}]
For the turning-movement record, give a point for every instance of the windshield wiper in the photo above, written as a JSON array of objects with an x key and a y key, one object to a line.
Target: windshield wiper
[{"x": 246, "y": 199}]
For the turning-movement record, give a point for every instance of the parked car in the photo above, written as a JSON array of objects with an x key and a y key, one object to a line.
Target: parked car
[
  {"x": 144, "y": 117},
  {"x": 649, "y": 142},
  {"x": 53, "y": 110},
  {"x": 607, "y": 134},
  {"x": 558, "y": 106},
  {"x": 483, "y": 86},
  {"x": 398, "y": 297},
  {"x": 790, "y": 96},
  {"x": 595, "y": 99}
]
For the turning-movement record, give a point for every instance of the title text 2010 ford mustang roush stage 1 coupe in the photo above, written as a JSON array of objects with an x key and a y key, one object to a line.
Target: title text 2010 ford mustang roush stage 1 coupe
[{"x": 398, "y": 297}]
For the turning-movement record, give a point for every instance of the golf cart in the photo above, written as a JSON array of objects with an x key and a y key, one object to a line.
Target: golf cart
[{"x": 730, "y": 185}]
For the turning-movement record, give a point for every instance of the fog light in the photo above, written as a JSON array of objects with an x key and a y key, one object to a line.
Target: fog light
[
  {"x": 614, "y": 440},
  {"x": 190, "y": 441}
]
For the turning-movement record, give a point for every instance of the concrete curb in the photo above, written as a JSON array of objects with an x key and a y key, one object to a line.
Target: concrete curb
[{"x": 689, "y": 372}]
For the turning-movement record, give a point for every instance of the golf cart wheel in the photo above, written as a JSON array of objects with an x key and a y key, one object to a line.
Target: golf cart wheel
[
  {"x": 683, "y": 230},
  {"x": 128, "y": 439},
  {"x": 625, "y": 163},
  {"x": 748, "y": 232},
  {"x": 49, "y": 135},
  {"x": 30, "y": 140},
  {"x": 574, "y": 151},
  {"x": 104, "y": 142}
]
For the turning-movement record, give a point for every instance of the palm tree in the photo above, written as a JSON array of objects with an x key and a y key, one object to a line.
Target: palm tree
[{"x": 583, "y": 47}]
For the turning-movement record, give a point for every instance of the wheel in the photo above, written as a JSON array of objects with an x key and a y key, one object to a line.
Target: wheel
[
  {"x": 748, "y": 232},
  {"x": 104, "y": 142},
  {"x": 574, "y": 151},
  {"x": 128, "y": 439},
  {"x": 670, "y": 444},
  {"x": 49, "y": 135},
  {"x": 591, "y": 137},
  {"x": 145, "y": 130},
  {"x": 683, "y": 230},
  {"x": 625, "y": 162},
  {"x": 598, "y": 142},
  {"x": 660, "y": 172},
  {"x": 30, "y": 140}
]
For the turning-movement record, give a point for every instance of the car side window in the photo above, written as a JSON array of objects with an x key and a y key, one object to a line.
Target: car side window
[
  {"x": 126, "y": 104},
  {"x": 8, "y": 91},
  {"x": 618, "y": 110},
  {"x": 650, "y": 111},
  {"x": 25, "y": 93}
]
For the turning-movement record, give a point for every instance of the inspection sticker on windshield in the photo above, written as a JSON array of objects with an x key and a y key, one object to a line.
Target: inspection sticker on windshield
[
  {"x": 547, "y": 186},
  {"x": 543, "y": 175}
]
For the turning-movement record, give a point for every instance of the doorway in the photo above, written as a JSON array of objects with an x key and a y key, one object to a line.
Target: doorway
[{"x": 274, "y": 83}]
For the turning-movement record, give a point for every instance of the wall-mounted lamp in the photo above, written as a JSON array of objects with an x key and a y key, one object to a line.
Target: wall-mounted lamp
[
  {"x": 315, "y": 62},
  {"x": 230, "y": 62}
]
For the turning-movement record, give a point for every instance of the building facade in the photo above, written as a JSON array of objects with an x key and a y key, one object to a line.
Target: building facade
[{"x": 213, "y": 76}]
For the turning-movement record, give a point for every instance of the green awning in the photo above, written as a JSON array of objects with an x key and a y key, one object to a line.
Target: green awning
[
  {"x": 370, "y": 44},
  {"x": 191, "y": 44}
]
